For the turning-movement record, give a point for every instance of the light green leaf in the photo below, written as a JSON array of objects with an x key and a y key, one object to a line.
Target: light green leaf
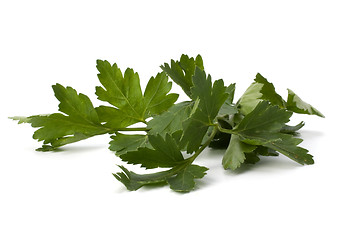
[
  {"x": 115, "y": 118},
  {"x": 125, "y": 94},
  {"x": 250, "y": 98},
  {"x": 297, "y": 105},
  {"x": 121, "y": 91},
  {"x": 260, "y": 90},
  {"x": 235, "y": 154},
  {"x": 57, "y": 129},
  {"x": 20, "y": 119},
  {"x": 155, "y": 95}
]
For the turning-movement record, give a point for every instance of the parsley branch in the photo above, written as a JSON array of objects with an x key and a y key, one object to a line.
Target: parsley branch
[{"x": 254, "y": 126}]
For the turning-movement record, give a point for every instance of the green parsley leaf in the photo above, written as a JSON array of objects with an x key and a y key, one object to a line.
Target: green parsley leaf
[
  {"x": 228, "y": 108},
  {"x": 287, "y": 144},
  {"x": 81, "y": 121},
  {"x": 235, "y": 154},
  {"x": 262, "y": 127},
  {"x": 125, "y": 94},
  {"x": 171, "y": 120},
  {"x": 264, "y": 122},
  {"x": 297, "y": 105},
  {"x": 165, "y": 153},
  {"x": 292, "y": 129},
  {"x": 181, "y": 72},
  {"x": 268, "y": 92},
  {"x": 122, "y": 91},
  {"x": 184, "y": 180},
  {"x": 265, "y": 151},
  {"x": 180, "y": 178},
  {"x": 134, "y": 181},
  {"x": 156, "y": 97},
  {"x": 260, "y": 90},
  {"x": 20, "y": 119},
  {"x": 250, "y": 98},
  {"x": 210, "y": 98},
  {"x": 123, "y": 143}
]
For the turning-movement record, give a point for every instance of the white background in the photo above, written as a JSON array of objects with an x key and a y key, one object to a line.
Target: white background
[{"x": 72, "y": 194}]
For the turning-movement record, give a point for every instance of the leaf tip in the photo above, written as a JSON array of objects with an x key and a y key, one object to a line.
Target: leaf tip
[{"x": 20, "y": 119}]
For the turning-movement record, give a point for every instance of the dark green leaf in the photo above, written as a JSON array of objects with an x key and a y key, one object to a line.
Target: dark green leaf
[
  {"x": 265, "y": 151},
  {"x": 262, "y": 127},
  {"x": 171, "y": 120},
  {"x": 220, "y": 141},
  {"x": 181, "y": 72},
  {"x": 292, "y": 129},
  {"x": 268, "y": 92},
  {"x": 184, "y": 181},
  {"x": 181, "y": 178},
  {"x": 287, "y": 145},
  {"x": 209, "y": 98},
  {"x": 263, "y": 123},
  {"x": 228, "y": 108},
  {"x": 123, "y": 143},
  {"x": 165, "y": 153},
  {"x": 134, "y": 181},
  {"x": 251, "y": 158}
]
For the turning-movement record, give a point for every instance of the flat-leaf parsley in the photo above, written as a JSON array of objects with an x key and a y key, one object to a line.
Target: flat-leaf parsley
[{"x": 172, "y": 135}]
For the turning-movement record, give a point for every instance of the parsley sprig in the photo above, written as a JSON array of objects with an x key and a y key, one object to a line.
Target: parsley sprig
[{"x": 174, "y": 134}]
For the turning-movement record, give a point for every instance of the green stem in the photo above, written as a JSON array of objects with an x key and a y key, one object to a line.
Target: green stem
[{"x": 224, "y": 130}]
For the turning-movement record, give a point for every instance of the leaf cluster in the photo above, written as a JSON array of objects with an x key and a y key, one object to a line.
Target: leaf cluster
[{"x": 150, "y": 129}]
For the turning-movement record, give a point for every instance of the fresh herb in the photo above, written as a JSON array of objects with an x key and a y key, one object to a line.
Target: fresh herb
[{"x": 172, "y": 135}]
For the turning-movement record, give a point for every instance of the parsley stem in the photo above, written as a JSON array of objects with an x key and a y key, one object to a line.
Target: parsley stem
[{"x": 224, "y": 130}]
